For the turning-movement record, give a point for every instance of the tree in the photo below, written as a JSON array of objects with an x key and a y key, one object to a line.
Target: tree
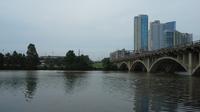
[
  {"x": 83, "y": 62},
  {"x": 22, "y": 60},
  {"x": 1, "y": 60},
  {"x": 14, "y": 59},
  {"x": 107, "y": 65},
  {"x": 32, "y": 57},
  {"x": 73, "y": 62},
  {"x": 7, "y": 59},
  {"x": 70, "y": 59}
]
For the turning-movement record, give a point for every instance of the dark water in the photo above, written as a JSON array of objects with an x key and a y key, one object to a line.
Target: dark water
[{"x": 57, "y": 91}]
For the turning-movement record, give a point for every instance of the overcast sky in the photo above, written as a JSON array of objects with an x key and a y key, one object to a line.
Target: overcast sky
[{"x": 96, "y": 27}]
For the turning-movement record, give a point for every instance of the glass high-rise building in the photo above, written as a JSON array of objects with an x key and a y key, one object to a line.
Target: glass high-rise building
[
  {"x": 168, "y": 28},
  {"x": 141, "y": 33},
  {"x": 155, "y": 34},
  {"x": 169, "y": 36},
  {"x": 175, "y": 38},
  {"x": 161, "y": 34},
  {"x": 165, "y": 35},
  {"x": 181, "y": 38},
  {"x": 169, "y": 25}
]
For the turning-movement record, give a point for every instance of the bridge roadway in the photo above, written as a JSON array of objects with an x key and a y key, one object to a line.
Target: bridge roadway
[{"x": 183, "y": 59}]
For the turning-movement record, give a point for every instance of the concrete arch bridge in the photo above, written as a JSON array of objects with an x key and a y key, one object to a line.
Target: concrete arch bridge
[{"x": 184, "y": 59}]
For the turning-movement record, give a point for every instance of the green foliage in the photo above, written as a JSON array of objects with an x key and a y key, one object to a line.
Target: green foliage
[
  {"x": 7, "y": 59},
  {"x": 70, "y": 57},
  {"x": 20, "y": 61},
  {"x": 83, "y": 62},
  {"x": 107, "y": 65},
  {"x": 14, "y": 61},
  {"x": 73, "y": 62},
  {"x": 97, "y": 65},
  {"x": 1, "y": 60},
  {"x": 32, "y": 57},
  {"x": 17, "y": 60},
  {"x": 54, "y": 63}
]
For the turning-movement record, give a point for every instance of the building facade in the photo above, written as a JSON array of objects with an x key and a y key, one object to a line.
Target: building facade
[
  {"x": 168, "y": 38},
  {"x": 182, "y": 38},
  {"x": 160, "y": 34},
  {"x": 176, "y": 38},
  {"x": 141, "y": 33},
  {"x": 155, "y": 34},
  {"x": 119, "y": 54},
  {"x": 168, "y": 34}
]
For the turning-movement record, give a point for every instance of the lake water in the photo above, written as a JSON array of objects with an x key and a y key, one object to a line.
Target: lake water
[{"x": 96, "y": 91}]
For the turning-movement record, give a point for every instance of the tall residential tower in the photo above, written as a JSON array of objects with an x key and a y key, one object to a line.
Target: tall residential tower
[
  {"x": 141, "y": 33},
  {"x": 159, "y": 35}
]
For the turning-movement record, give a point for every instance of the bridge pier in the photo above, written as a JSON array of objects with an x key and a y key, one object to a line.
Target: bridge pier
[
  {"x": 190, "y": 68},
  {"x": 148, "y": 64},
  {"x": 129, "y": 66},
  {"x": 199, "y": 58},
  {"x": 185, "y": 60}
]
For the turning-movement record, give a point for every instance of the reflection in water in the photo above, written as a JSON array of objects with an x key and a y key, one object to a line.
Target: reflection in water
[
  {"x": 31, "y": 84},
  {"x": 150, "y": 92},
  {"x": 8, "y": 82},
  {"x": 74, "y": 80},
  {"x": 19, "y": 81},
  {"x": 97, "y": 92},
  {"x": 149, "y": 95}
]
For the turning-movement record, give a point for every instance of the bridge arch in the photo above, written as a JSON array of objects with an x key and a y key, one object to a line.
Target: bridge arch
[
  {"x": 138, "y": 65},
  {"x": 167, "y": 64},
  {"x": 196, "y": 71},
  {"x": 123, "y": 66}
]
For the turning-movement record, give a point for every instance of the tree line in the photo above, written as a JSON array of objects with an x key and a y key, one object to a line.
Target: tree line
[
  {"x": 73, "y": 62},
  {"x": 31, "y": 61},
  {"x": 69, "y": 62},
  {"x": 17, "y": 60}
]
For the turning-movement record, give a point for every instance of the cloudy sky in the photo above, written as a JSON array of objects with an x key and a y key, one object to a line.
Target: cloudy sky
[{"x": 96, "y": 27}]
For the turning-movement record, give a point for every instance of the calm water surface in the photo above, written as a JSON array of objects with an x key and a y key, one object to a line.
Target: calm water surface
[{"x": 59, "y": 91}]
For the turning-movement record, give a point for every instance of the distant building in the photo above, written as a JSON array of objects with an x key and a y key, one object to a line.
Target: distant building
[
  {"x": 155, "y": 35},
  {"x": 166, "y": 29},
  {"x": 182, "y": 38},
  {"x": 119, "y": 54},
  {"x": 175, "y": 38},
  {"x": 141, "y": 33},
  {"x": 168, "y": 38},
  {"x": 159, "y": 36},
  {"x": 169, "y": 25}
]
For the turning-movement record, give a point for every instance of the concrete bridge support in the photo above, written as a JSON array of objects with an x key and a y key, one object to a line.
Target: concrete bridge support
[
  {"x": 188, "y": 62},
  {"x": 190, "y": 68}
]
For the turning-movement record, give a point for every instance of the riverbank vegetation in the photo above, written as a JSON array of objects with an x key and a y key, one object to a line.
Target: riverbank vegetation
[
  {"x": 17, "y": 60},
  {"x": 73, "y": 62},
  {"x": 97, "y": 65},
  {"x": 108, "y": 65},
  {"x": 32, "y": 61}
]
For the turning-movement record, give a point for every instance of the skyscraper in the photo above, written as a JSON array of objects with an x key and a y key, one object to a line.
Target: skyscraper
[
  {"x": 155, "y": 35},
  {"x": 141, "y": 33},
  {"x": 168, "y": 30},
  {"x": 159, "y": 36},
  {"x": 169, "y": 25},
  {"x": 168, "y": 38}
]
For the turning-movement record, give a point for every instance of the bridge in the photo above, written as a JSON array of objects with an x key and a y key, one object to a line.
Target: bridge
[{"x": 178, "y": 59}]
